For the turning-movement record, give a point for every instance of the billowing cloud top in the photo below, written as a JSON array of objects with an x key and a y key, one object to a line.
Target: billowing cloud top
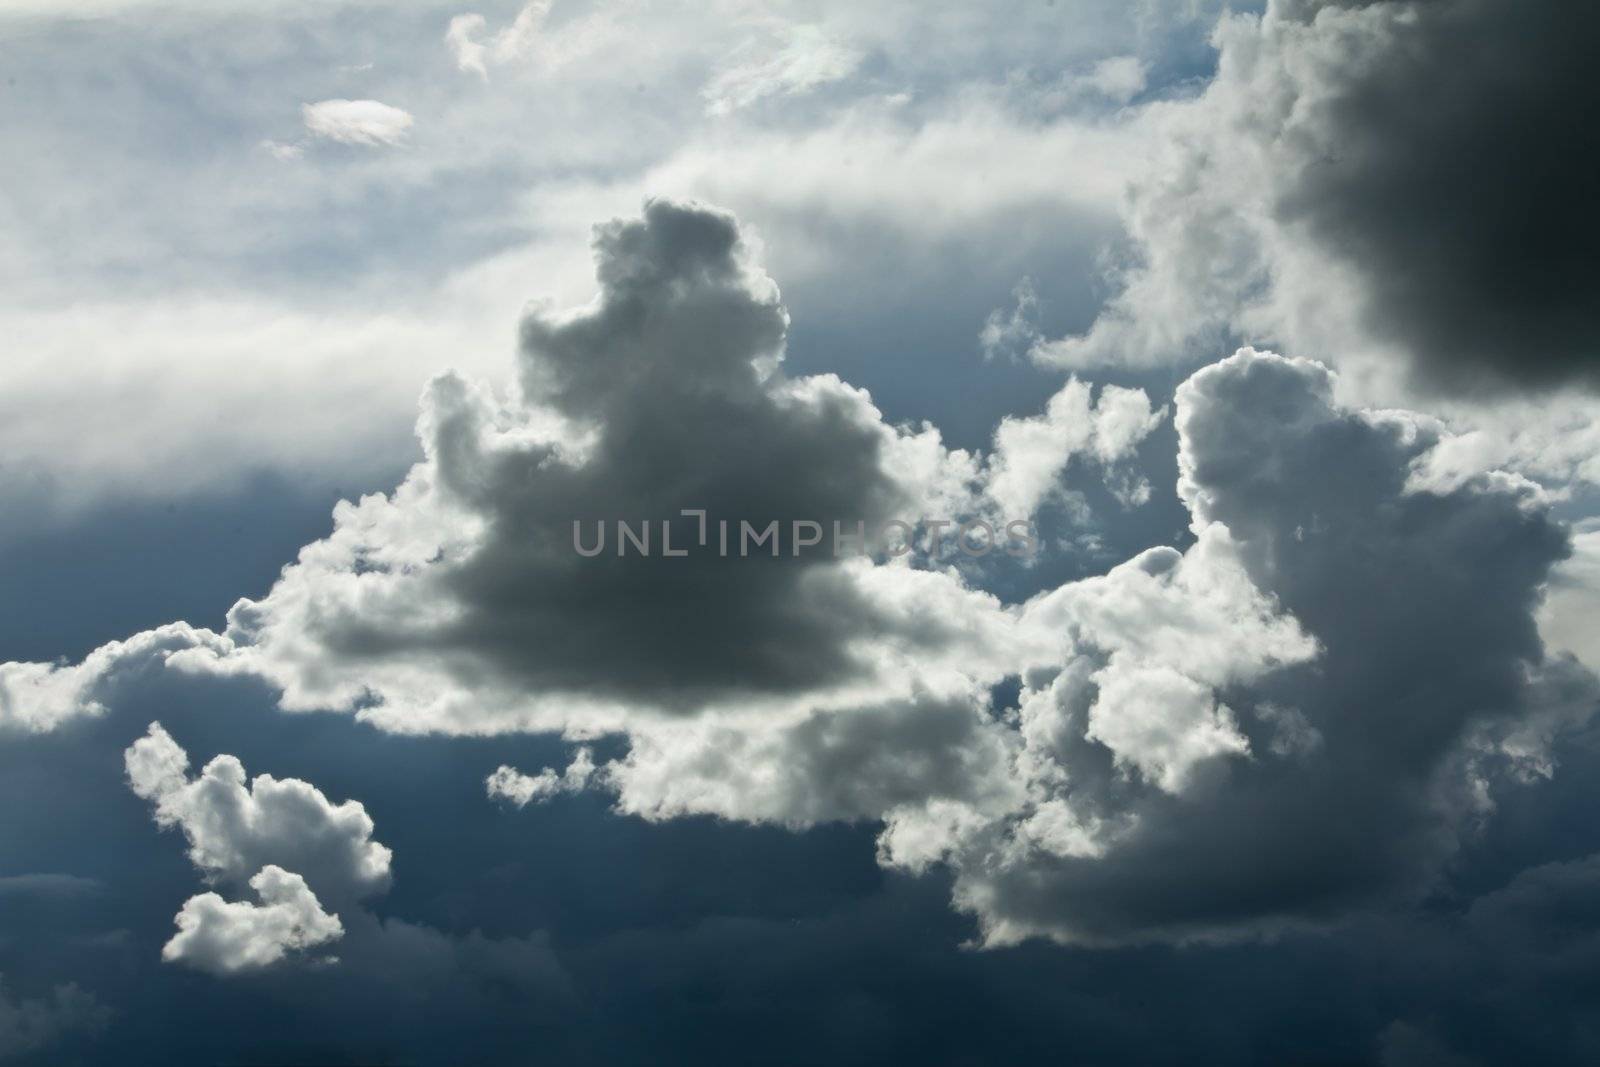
[
  {"x": 1303, "y": 710},
  {"x": 461, "y": 603}
]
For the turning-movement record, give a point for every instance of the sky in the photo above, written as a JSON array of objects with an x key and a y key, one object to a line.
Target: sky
[{"x": 1211, "y": 680}]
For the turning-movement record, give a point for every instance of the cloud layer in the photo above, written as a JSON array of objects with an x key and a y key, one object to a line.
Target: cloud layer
[{"x": 1305, "y": 709}]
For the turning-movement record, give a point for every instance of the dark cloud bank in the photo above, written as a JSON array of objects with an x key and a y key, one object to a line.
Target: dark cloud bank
[
  {"x": 1401, "y": 180},
  {"x": 1452, "y": 165}
]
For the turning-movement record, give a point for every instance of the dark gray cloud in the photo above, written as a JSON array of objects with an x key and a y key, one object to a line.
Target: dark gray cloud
[
  {"x": 460, "y": 601},
  {"x": 1450, "y": 160},
  {"x": 1353, "y": 774},
  {"x": 668, "y": 369},
  {"x": 665, "y": 394},
  {"x": 1399, "y": 186}
]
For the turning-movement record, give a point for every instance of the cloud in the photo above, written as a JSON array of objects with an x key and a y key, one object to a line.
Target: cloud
[
  {"x": 283, "y": 150},
  {"x": 935, "y": 749},
  {"x": 359, "y": 122},
  {"x": 1425, "y": 670},
  {"x": 1349, "y": 186},
  {"x": 1030, "y": 453},
  {"x": 460, "y": 604},
  {"x": 514, "y": 42},
  {"x": 509, "y": 784},
  {"x": 30, "y": 1024},
  {"x": 1572, "y": 599},
  {"x": 1012, "y": 332},
  {"x": 48, "y": 885},
  {"x": 38, "y": 697},
  {"x": 225, "y": 938},
  {"x": 332, "y": 290},
  {"x": 236, "y": 827},
  {"x": 800, "y": 58},
  {"x": 1118, "y": 79},
  {"x": 1316, "y": 756},
  {"x": 1305, "y": 709},
  {"x": 1451, "y": 187}
]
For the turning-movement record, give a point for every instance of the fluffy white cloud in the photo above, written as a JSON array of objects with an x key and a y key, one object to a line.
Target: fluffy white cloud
[
  {"x": 1031, "y": 453},
  {"x": 38, "y": 697},
  {"x": 224, "y": 937},
  {"x": 363, "y": 122},
  {"x": 1171, "y": 631},
  {"x": 850, "y": 764},
  {"x": 236, "y": 826},
  {"x": 508, "y": 783}
]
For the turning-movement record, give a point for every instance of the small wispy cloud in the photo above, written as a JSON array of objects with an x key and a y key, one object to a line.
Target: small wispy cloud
[
  {"x": 284, "y": 150},
  {"x": 804, "y": 59},
  {"x": 475, "y": 53}
]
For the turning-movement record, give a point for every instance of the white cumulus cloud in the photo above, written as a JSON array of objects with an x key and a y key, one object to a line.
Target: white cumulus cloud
[
  {"x": 226, "y": 937},
  {"x": 360, "y": 122},
  {"x": 236, "y": 826}
]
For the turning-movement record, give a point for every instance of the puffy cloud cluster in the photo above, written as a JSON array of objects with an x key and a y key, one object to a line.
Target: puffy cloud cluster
[
  {"x": 935, "y": 748},
  {"x": 244, "y": 832},
  {"x": 1303, "y": 710},
  {"x": 513, "y": 786},
  {"x": 225, "y": 937},
  {"x": 459, "y": 603},
  {"x": 235, "y": 826},
  {"x": 1030, "y": 453}
]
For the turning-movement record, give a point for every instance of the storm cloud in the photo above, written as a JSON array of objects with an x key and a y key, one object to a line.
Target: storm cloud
[
  {"x": 1396, "y": 179},
  {"x": 1446, "y": 162},
  {"x": 1382, "y": 678}
]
